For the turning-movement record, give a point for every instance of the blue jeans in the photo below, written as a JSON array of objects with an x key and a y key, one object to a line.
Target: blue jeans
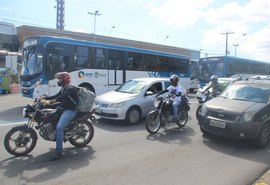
[
  {"x": 175, "y": 106},
  {"x": 64, "y": 120}
]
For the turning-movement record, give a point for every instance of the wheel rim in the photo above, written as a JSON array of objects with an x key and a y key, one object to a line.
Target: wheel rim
[
  {"x": 134, "y": 116},
  {"x": 154, "y": 123},
  {"x": 182, "y": 120},
  {"x": 83, "y": 133},
  {"x": 20, "y": 142},
  {"x": 265, "y": 135}
]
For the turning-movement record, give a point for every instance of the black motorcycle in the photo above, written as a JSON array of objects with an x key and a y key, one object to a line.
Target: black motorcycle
[
  {"x": 163, "y": 114},
  {"x": 21, "y": 140}
]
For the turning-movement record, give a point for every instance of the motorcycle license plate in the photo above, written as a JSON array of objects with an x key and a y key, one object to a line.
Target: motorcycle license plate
[{"x": 216, "y": 123}]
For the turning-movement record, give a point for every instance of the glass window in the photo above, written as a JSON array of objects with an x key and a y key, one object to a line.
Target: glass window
[
  {"x": 99, "y": 58},
  {"x": 162, "y": 63},
  {"x": 119, "y": 58},
  {"x": 149, "y": 62},
  {"x": 82, "y": 56},
  {"x": 134, "y": 61},
  {"x": 111, "y": 59}
]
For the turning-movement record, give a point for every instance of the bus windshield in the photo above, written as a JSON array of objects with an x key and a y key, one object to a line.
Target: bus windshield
[
  {"x": 207, "y": 68},
  {"x": 32, "y": 63}
]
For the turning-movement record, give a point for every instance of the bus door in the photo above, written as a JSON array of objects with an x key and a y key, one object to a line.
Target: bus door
[{"x": 116, "y": 74}]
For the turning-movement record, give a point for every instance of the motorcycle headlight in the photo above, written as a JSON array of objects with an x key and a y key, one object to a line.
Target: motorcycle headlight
[
  {"x": 24, "y": 112},
  {"x": 117, "y": 105}
]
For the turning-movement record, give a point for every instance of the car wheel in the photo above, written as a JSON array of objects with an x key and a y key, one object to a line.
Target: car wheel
[
  {"x": 263, "y": 137},
  {"x": 133, "y": 115}
]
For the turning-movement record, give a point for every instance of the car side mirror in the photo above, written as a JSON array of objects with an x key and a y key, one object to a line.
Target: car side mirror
[{"x": 149, "y": 93}]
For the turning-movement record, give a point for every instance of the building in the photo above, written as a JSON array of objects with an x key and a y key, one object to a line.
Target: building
[{"x": 8, "y": 37}]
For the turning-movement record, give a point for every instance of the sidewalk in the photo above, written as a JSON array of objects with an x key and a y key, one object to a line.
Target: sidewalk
[{"x": 264, "y": 179}]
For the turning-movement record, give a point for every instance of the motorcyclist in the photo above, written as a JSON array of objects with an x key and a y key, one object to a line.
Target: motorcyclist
[
  {"x": 175, "y": 92},
  {"x": 216, "y": 89},
  {"x": 67, "y": 97}
]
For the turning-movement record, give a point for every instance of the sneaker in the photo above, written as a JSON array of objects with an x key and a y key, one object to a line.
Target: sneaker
[{"x": 57, "y": 155}]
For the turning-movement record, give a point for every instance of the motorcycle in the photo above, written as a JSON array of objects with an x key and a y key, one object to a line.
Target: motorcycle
[
  {"x": 21, "y": 140},
  {"x": 163, "y": 114}
]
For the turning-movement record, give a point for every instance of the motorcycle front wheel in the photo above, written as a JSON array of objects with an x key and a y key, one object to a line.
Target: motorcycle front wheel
[
  {"x": 83, "y": 133},
  {"x": 20, "y": 141},
  {"x": 153, "y": 123},
  {"x": 183, "y": 118}
]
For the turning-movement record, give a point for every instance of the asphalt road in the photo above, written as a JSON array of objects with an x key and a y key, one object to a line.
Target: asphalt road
[{"x": 123, "y": 154}]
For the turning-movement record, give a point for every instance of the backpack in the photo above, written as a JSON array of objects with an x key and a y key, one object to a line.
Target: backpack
[{"x": 86, "y": 99}]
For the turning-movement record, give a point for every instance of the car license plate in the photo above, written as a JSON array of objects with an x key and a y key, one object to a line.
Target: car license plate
[{"x": 219, "y": 124}]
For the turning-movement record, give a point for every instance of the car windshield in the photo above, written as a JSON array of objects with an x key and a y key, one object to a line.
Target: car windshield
[
  {"x": 247, "y": 93},
  {"x": 132, "y": 86}
]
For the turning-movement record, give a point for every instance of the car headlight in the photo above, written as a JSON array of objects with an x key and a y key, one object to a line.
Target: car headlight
[
  {"x": 117, "y": 105},
  {"x": 203, "y": 110},
  {"x": 248, "y": 116}
]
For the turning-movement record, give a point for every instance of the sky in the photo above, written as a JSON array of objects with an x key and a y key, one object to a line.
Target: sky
[{"x": 193, "y": 24}]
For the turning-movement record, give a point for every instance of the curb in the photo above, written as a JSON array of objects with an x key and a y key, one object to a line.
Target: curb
[{"x": 264, "y": 179}]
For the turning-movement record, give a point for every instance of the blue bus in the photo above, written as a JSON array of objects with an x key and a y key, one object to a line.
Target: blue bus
[
  {"x": 226, "y": 66},
  {"x": 99, "y": 67}
]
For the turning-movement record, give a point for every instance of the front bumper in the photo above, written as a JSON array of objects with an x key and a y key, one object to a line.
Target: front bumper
[
  {"x": 111, "y": 113},
  {"x": 229, "y": 129}
]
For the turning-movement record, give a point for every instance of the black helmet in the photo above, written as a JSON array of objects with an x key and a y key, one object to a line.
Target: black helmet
[
  {"x": 214, "y": 78},
  {"x": 174, "y": 79}
]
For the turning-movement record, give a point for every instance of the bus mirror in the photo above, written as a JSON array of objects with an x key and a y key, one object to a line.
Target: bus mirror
[{"x": 50, "y": 61}]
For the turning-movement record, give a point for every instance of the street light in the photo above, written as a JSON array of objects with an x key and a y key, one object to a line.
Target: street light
[
  {"x": 111, "y": 30},
  {"x": 165, "y": 39},
  {"x": 94, "y": 14}
]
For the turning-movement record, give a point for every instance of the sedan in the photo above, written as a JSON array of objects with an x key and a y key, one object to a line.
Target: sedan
[{"x": 131, "y": 101}]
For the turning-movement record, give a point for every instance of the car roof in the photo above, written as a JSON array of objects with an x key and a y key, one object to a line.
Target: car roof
[{"x": 153, "y": 79}]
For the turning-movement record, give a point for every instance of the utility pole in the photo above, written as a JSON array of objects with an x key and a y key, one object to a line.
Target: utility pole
[
  {"x": 94, "y": 14},
  {"x": 60, "y": 15},
  {"x": 227, "y": 33}
]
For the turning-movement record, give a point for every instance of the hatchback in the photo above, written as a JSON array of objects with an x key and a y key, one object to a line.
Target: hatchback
[{"x": 241, "y": 111}]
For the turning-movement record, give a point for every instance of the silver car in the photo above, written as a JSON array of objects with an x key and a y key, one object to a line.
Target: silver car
[{"x": 132, "y": 100}]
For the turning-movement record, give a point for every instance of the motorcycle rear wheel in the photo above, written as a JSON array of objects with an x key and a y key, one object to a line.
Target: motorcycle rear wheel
[
  {"x": 153, "y": 123},
  {"x": 20, "y": 141},
  {"x": 84, "y": 133}
]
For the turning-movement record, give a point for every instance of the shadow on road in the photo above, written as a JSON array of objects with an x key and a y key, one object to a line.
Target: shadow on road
[
  {"x": 173, "y": 134},
  {"x": 73, "y": 159},
  {"x": 238, "y": 148},
  {"x": 12, "y": 114}
]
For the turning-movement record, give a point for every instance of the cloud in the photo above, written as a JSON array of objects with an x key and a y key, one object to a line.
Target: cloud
[{"x": 179, "y": 13}]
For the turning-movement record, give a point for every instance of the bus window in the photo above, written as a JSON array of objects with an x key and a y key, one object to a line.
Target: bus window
[
  {"x": 111, "y": 59},
  {"x": 134, "y": 61},
  {"x": 82, "y": 56},
  {"x": 99, "y": 58},
  {"x": 149, "y": 62},
  {"x": 162, "y": 63},
  {"x": 119, "y": 58}
]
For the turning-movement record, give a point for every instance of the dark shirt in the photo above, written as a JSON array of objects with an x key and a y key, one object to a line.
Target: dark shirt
[{"x": 64, "y": 97}]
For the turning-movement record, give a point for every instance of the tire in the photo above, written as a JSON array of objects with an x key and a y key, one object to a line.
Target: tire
[
  {"x": 205, "y": 133},
  {"x": 153, "y": 123},
  {"x": 133, "y": 115},
  {"x": 84, "y": 133},
  {"x": 198, "y": 112},
  {"x": 183, "y": 118},
  {"x": 24, "y": 140},
  {"x": 263, "y": 137}
]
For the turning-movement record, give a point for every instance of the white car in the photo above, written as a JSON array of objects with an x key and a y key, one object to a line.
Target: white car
[{"x": 132, "y": 100}]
